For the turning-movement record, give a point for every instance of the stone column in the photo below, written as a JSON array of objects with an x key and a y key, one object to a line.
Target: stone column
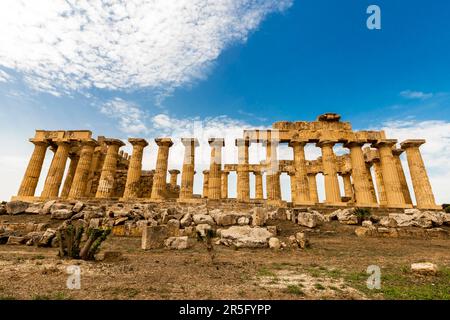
[
  {"x": 106, "y": 182},
  {"x": 224, "y": 189},
  {"x": 272, "y": 171},
  {"x": 74, "y": 158},
  {"x": 93, "y": 168},
  {"x": 205, "y": 183},
  {"x": 381, "y": 191},
  {"x": 293, "y": 187},
  {"x": 401, "y": 175},
  {"x": 371, "y": 183},
  {"x": 215, "y": 168},
  {"x": 243, "y": 179},
  {"x": 160, "y": 177},
  {"x": 300, "y": 178},
  {"x": 134, "y": 168},
  {"x": 348, "y": 188},
  {"x": 187, "y": 175},
  {"x": 394, "y": 194},
  {"x": 421, "y": 183},
  {"x": 332, "y": 193},
  {"x": 80, "y": 178},
  {"x": 313, "y": 188},
  {"x": 360, "y": 175},
  {"x": 56, "y": 171},
  {"x": 34, "y": 168},
  {"x": 258, "y": 185},
  {"x": 173, "y": 177}
]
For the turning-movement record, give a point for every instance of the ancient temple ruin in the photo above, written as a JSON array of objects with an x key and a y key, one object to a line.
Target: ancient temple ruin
[{"x": 98, "y": 169}]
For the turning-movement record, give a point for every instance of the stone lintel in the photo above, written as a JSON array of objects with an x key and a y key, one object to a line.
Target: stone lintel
[
  {"x": 385, "y": 142},
  {"x": 242, "y": 142},
  {"x": 216, "y": 142},
  {"x": 164, "y": 142},
  {"x": 412, "y": 143},
  {"x": 356, "y": 142},
  {"x": 323, "y": 143},
  {"x": 138, "y": 141},
  {"x": 187, "y": 142},
  {"x": 112, "y": 141}
]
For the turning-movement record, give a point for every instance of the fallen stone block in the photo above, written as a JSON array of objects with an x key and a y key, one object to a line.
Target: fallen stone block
[
  {"x": 153, "y": 237},
  {"x": 62, "y": 214},
  {"x": 16, "y": 207},
  {"x": 245, "y": 237},
  {"x": 179, "y": 243},
  {"x": 424, "y": 268}
]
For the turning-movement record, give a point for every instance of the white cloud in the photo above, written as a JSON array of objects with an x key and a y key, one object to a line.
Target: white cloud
[
  {"x": 409, "y": 94},
  {"x": 130, "y": 117},
  {"x": 61, "y": 46},
  {"x": 4, "y": 77},
  {"x": 435, "y": 152}
]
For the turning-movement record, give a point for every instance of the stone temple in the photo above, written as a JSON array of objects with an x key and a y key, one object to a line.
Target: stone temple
[{"x": 98, "y": 169}]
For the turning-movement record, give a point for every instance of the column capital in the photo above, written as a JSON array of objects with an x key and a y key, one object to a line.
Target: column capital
[
  {"x": 397, "y": 151},
  {"x": 187, "y": 142},
  {"x": 164, "y": 142},
  {"x": 112, "y": 141},
  {"x": 270, "y": 141},
  {"x": 216, "y": 142},
  {"x": 138, "y": 142},
  {"x": 353, "y": 143},
  {"x": 242, "y": 142},
  {"x": 324, "y": 143},
  {"x": 297, "y": 142},
  {"x": 385, "y": 142},
  {"x": 205, "y": 171},
  {"x": 174, "y": 171},
  {"x": 411, "y": 143},
  {"x": 225, "y": 172},
  {"x": 37, "y": 142},
  {"x": 89, "y": 143}
]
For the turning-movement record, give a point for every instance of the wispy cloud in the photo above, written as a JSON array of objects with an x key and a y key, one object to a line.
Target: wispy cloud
[
  {"x": 64, "y": 46},
  {"x": 4, "y": 77},
  {"x": 130, "y": 117},
  {"x": 409, "y": 94}
]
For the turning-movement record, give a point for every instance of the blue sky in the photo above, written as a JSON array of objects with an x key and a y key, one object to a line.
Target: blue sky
[{"x": 236, "y": 66}]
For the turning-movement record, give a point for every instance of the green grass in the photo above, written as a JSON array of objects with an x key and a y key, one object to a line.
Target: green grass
[
  {"x": 59, "y": 295},
  {"x": 294, "y": 289},
  {"x": 319, "y": 286},
  {"x": 7, "y": 298},
  {"x": 264, "y": 272}
]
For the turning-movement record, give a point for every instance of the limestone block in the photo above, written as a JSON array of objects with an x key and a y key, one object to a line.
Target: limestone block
[
  {"x": 47, "y": 237},
  {"x": 273, "y": 230},
  {"x": 279, "y": 214},
  {"x": 34, "y": 208},
  {"x": 367, "y": 223},
  {"x": 259, "y": 216},
  {"x": 13, "y": 240},
  {"x": 388, "y": 222},
  {"x": 78, "y": 207},
  {"x": 16, "y": 207},
  {"x": 186, "y": 220},
  {"x": 245, "y": 237},
  {"x": 62, "y": 214},
  {"x": 203, "y": 218},
  {"x": 424, "y": 268},
  {"x": 61, "y": 206},
  {"x": 243, "y": 220},
  {"x": 47, "y": 206},
  {"x": 302, "y": 240},
  {"x": 153, "y": 237},
  {"x": 365, "y": 232},
  {"x": 274, "y": 243},
  {"x": 173, "y": 227},
  {"x": 310, "y": 219},
  {"x": 179, "y": 243}
]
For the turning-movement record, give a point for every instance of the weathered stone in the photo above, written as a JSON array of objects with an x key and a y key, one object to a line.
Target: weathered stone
[
  {"x": 153, "y": 237},
  {"x": 245, "y": 236},
  {"x": 259, "y": 216},
  {"x": 61, "y": 206},
  {"x": 244, "y": 220},
  {"x": 173, "y": 227},
  {"x": 274, "y": 243},
  {"x": 188, "y": 231},
  {"x": 78, "y": 207},
  {"x": 62, "y": 214},
  {"x": 118, "y": 221},
  {"x": 33, "y": 237},
  {"x": 272, "y": 229},
  {"x": 47, "y": 207},
  {"x": 367, "y": 223},
  {"x": 79, "y": 215},
  {"x": 302, "y": 240},
  {"x": 179, "y": 243},
  {"x": 279, "y": 214},
  {"x": 437, "y": 233},
  {"x": 310, "y": 219},
  {"x": 365, "y": 232},
  {"x": 47, "y": 238},
  {"x": 388, "y": 222},
  {"x": 424, "y": 268},
  {"x": 202, "y": 229},
  {"x": 14, "y": 240},
  {"x": 186, "y": 220},
  {"x": 16, "y": 207},
  {"x": 34, "y": 208},
  {"x": 203, "y": 218},
  {"x": 411, "y": 211},
  {"x": 3, "y": 208}
]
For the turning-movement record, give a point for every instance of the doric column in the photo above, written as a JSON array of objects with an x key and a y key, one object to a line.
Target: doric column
[
  {"x": 106, "y": 182},
  {"x": 258, "y": 185},
  {"x": 371, "y": 183},
  {"x": 332, "y": 193},
  {"x": 173, "y": 177},
  {"x": 313, "y": 188},
  {"x": 394, "y": 194},
  {"x": 56, "y": 171},
  {"x": 95, "y": 166},
  {"x": 80, "y": 178},
  {"x": 160, "y": 177},
  {"x": 381, "y": 191},
  {"x": 272, "y": 171},
  {"x": 187, "y": 175},
  {"x": 300, "y": 178},
  {"x": 215, "y": 168},
  {"x": 74, "y": 158},
  {"x": 401, "y": 175},
  {"x": 134, "y": 168},
  {"x": 421, "y": 183},
  {"x": 360, "y": 175},
  {"x": 293, "y": 187},
  {"x": 224, "y": 188},
  {"x": 348, "y": 188},
  {"x": 34, "y": 168},
  {"x": 205, "y": 183},
  {"x": 243, "y": 179}
]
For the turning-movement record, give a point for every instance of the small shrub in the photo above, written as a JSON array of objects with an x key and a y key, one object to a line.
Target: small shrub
[
  {"x": 446, "y": 207},
  {"x": 362, "y": 214},
  {"x": 294, "y": 289}
]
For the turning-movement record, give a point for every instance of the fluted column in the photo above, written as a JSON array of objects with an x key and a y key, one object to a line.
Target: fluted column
[
  {"x": 80, "y": 178},
  {"x": 272, "y": 171},
  {"x": 313, "y": 188},
  {"x": 34, "y": 168},
  {"x": 187, "y": 175},
  {"x": 401, "y": 175},
  {"x": 381, "y": 191},
  {"x": 348, "y": 188},
  {"x": 215, "y": 168},
  {"x": 360, "y": 175},
  {"x": 160, "y": 177},
  {"x": 132, "y": 184},
  {"x": 205, "y": 183},
  {"x": 74, "y": 159},
  {"x": 173, "y": 177},
  {"x": 106, "y": 182},
  {"x": 243, "y": 179},
  {"x": 56, "y": 171},
  {"x": 224, "y": 188},
  {"x": 258, "y": 186},
  {"x": 421, "y": 183},
  {"x": 332, "y": 193},
  {"x": 95, "y": 166},
  {"x": 371, "y": 183},
  {"x": 394, "y": 194},
  {"x": 293, "y": 187},
  {"x": 300, "y": 178}
]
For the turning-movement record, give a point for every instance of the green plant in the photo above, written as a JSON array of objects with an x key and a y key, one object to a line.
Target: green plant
[
  {"x": 294, "y": 289},
  {"x": 362, "y": 214},
  {"x": 446, "y": 207}
]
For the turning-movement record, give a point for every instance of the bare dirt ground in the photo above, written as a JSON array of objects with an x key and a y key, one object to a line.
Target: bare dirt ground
[{"x": 333, "y": 268}]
